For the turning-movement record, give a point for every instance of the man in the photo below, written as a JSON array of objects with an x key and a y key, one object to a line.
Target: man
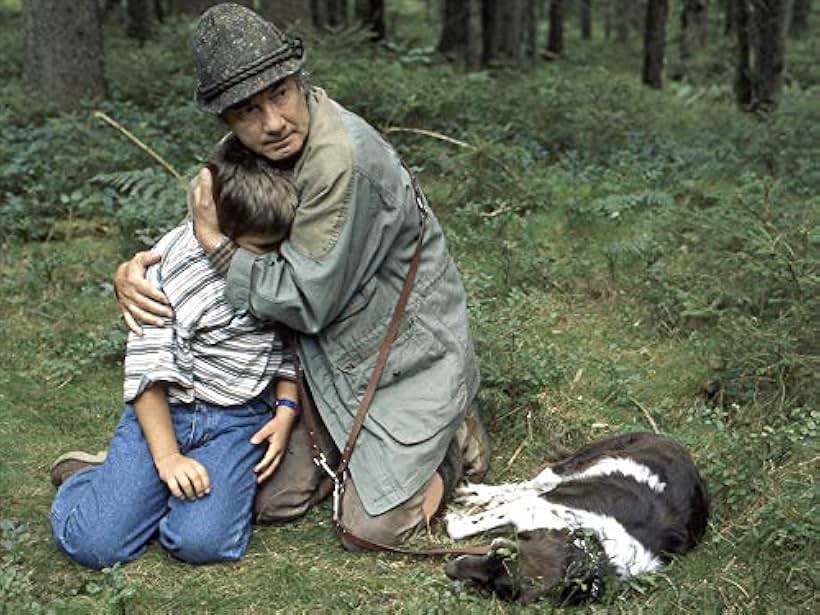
[{"x": 336, "y": 281}]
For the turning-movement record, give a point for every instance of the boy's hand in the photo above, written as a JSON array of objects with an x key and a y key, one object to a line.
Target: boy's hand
[
  {"x": 277, "y": 433},
  {"x": 186, "y": 478}
]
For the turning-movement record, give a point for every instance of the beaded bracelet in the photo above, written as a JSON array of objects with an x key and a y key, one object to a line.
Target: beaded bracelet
[{"x": 289, "y": 403}]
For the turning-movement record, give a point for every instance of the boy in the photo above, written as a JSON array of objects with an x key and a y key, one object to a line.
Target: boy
[{"x": 198, "y": 395}]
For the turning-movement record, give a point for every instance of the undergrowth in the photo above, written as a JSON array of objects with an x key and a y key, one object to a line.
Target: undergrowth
[{"x": 631, "y": 258}]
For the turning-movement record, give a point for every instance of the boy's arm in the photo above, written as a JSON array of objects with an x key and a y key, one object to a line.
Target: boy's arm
[
  {"x": 185, "y": 477},
  {"x": 277, "y": 430}
]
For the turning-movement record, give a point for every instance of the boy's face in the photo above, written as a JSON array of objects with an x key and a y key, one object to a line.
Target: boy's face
[
  {"x": 259, "y": 243},
  {"x": 273, "y": 123}
]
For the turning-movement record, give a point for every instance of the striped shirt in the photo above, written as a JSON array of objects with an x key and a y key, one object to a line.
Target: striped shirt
[{"x": 209, "y": 351}]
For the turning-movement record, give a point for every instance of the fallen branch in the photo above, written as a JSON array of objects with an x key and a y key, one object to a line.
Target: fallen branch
[
  {"x": 646, "y": 414},
  {"x": 465, "y": 145},
  {"x": 138, "y": 143},
  {"x": 430, "y": 133}
]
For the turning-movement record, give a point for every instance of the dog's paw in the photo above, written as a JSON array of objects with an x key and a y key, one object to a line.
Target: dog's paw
[
  {"x": 474, "y": 494},
  {"x": 460, "y": 526}
]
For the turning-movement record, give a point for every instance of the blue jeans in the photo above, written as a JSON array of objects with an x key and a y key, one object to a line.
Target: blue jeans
[{"x": 107, "y": 514}]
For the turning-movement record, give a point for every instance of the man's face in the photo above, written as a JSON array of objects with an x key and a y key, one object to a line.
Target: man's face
[{"x": 273, "y": 123}]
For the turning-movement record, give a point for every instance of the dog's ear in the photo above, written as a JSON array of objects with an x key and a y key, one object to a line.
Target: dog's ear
[
  {"x": 585, "y": 571},
  {"x": 580, "y": 591}
]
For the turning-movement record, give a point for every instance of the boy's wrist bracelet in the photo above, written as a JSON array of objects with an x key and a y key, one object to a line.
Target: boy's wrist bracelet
[{"x": 289, "y": 403}]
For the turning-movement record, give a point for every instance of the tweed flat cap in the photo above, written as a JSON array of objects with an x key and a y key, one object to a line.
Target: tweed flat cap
[{"x": 237, "y": 54}]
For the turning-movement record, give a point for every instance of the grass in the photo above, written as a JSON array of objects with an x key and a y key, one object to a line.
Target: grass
[{"x": 628, "y": 255}]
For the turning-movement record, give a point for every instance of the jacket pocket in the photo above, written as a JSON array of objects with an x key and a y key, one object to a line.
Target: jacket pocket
[{"x": 419, "y": 392}]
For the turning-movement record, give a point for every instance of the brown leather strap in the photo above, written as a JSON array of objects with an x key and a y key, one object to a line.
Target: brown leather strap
[
  {"x": 384, "y": 353},
  {"x": 367, "y": 545},
  {"x": 308, "y": 410}
]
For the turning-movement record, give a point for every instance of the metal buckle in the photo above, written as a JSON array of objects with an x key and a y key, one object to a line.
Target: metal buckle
[
  {"x": 420, "y": 201},
  {"x": 338, "y": 491},
  {"x": 338, "y": 484},
  {"x": 321, "y": 461}
]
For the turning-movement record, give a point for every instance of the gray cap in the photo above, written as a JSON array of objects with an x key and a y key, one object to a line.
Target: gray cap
[{"x": 237, "y": 54}]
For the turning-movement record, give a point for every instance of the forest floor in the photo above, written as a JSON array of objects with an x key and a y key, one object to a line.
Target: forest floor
[{"x": 631, "y": 257}]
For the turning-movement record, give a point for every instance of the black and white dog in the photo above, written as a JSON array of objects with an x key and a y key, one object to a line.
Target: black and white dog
[{"x": 620, "y": 506}]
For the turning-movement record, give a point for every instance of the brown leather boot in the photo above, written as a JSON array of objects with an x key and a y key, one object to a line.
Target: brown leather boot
[
  {"x": 475, "y": 445},
  {"x": 72, "y": 462}
]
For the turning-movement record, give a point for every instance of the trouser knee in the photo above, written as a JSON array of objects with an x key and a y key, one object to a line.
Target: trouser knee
[
  {"x": 390, "y": 528},
  {"x": 87, "y": 546},
  {"x": 200, "y": 545},
  {"x": 298, "y": 483}
]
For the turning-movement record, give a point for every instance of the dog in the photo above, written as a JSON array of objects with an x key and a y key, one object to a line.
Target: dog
[{"x": 621, "y": 506}]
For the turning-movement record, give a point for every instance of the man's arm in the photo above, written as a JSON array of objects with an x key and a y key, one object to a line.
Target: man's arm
[
  {"x": 139, "y": 300},
  {"x": 340, "y": 236},
  {"x": 185, "y": 477}
]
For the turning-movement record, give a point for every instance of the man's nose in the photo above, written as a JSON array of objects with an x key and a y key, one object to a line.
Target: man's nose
[{"x": 272, "y": 120}]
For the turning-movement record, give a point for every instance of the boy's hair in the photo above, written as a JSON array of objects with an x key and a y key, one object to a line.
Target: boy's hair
[{"x": 251, "y": 195}]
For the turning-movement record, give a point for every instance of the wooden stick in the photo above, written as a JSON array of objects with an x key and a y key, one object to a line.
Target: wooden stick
[
  {"x": 645, "y": 413},
  {"x": 138, "y": 143},
  {"x": 516, "y": 453},
  {"x": 430, "y": 133}
]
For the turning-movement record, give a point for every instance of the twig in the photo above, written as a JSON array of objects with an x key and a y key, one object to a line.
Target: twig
[
  {"x": 138, "y": 143},
  {"x": 738, "y": 585},
  {"x": 516, "y": 453},
  {"x": 430, "y": 133},
  {"x": 465, "y": 145},
  {"x": 672, "y": 585},
  {"x": 646, "y": 414},
  {"x": 497, "y": 212}
]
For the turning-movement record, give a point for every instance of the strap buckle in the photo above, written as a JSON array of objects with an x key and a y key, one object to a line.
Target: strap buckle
[
  {"x": 338, "y": 484},
  {"x": 421, "y": 199},
  {"x": 338, "y": 492}
]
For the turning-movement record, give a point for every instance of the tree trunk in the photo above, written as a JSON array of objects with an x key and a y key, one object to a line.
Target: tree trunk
[
  {"x": 194, "y": 8},
  {"x": 622, "y": 19},
  {"x": 63, "y": 51},
  {"x": 475, "y": 35},
  {"x": 453, "y": 26},
  {"x": 511, "y": 44},
  {"x": 770, "y": 53},
  {"x": 531, "y": 29},
  {"x": 743, "y": 78},
  {"x": 730, "y": 17},
  {"x": 285, "y": 12},
  {"x": 799, "y": 24},
  {"x": 139, "y": 16},
  {"x": 555, "y": 40},
  {"x": 654, "y": 43},
  {"x": 491, "y": 16},
  {"x": 336, "y": 13},
  {"x": 694, "y": 25},
  {"x": 371, "y": 15},
  {"x": 318, "y": 12},
  {"x": 586, "y": 19}
]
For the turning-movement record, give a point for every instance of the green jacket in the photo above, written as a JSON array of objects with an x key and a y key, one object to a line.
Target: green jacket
[{"x": 337, "y": 279}]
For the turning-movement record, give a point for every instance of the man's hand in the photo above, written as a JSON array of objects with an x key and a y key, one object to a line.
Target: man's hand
[
  {"x": 139, "y": 300},
  {"x": 186, "y": 478},
  {"x": 277, "y": 433},
  {"x": 203, "y": 209}
]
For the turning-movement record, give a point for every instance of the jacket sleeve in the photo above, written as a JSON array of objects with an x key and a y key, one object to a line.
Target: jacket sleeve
[{"x": 341, "y": 234}]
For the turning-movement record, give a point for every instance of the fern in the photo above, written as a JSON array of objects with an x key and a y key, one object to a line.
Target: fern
[{"x": 148, "y": 203}]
